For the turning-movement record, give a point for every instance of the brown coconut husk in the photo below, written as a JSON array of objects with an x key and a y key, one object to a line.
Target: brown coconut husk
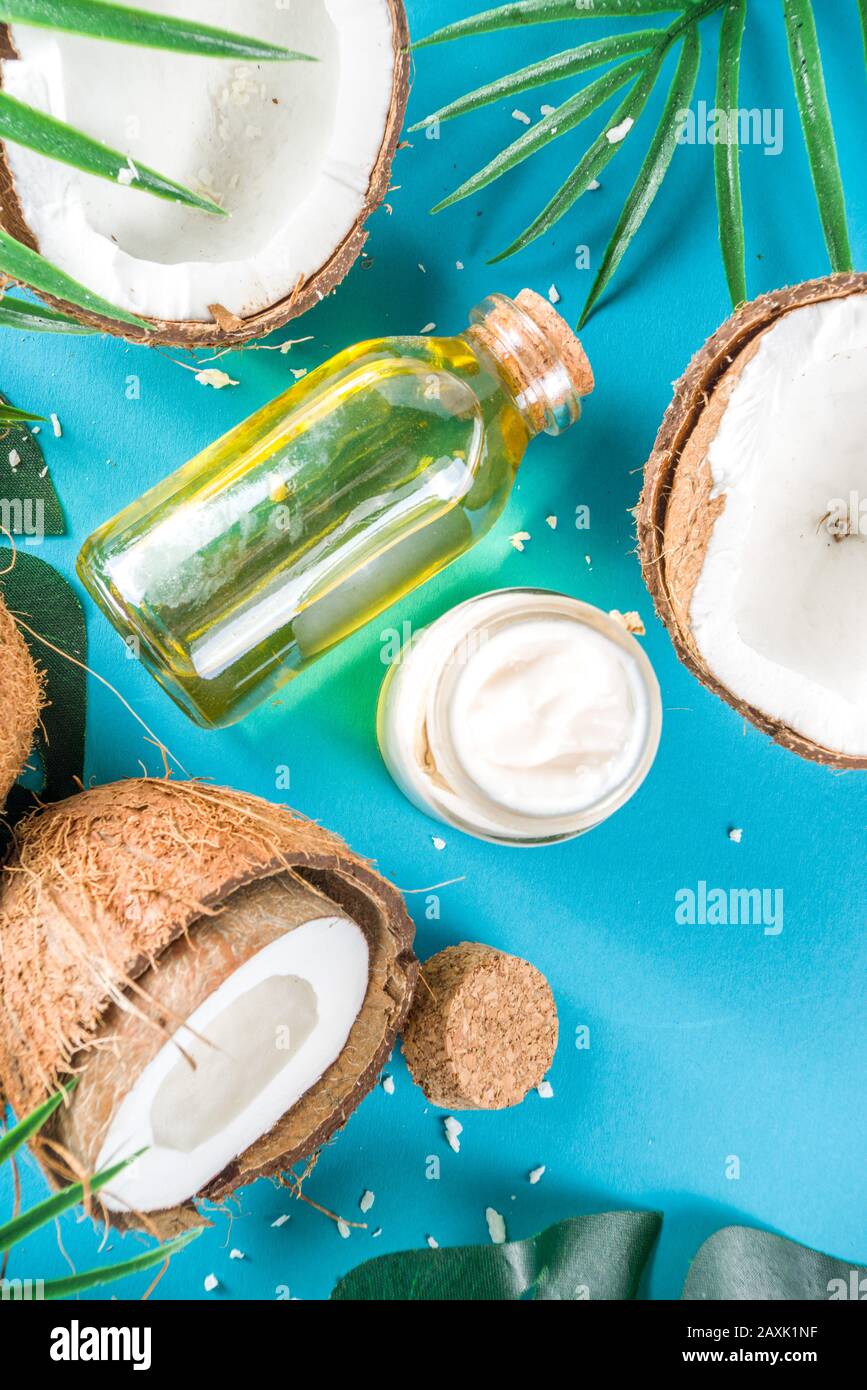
[
  {"x": 676, "y": 514},
  {"x": 100, "y": 890},
  {"x": 22, "y": 696},
  {"x": 482, "y": 1031},
  {"x": 227, "y": 329}
]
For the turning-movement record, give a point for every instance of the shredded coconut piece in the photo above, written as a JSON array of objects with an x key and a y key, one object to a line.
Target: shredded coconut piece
[
  {"x": 56, "y": 426},
  {"x": 212, "y": 376},
  {"x": 236, "y": 1255},
  {"x": 434, "y": 1244},
  {"x": 367, "y": 1200},
  {"x": 736, "y": 834},
  {"x": 519, "y": 538},
  {"x": 14, "y": 459},
  {"x": 211, "y": 1283},
  {"x": 547, "y": 110},
  {"x": 496, "y": 1226},
  {"x": 388, "y": 1085},
  {"x": 554, "y": 295},
  {"x": 593, "y": 185},
  {"x": 453, "y": 1129},
  {"x": 521, "y": 116},
  {"x": 619, "y": 132},
  {"x": 438, "y": 842},
  {"x": 536, "y": 1174},
  {"x": 631, "y": 621},
  {"x": 545, "y": 1090},
  {"x": 459, "y": 265},
  {"x": 343, "y": 1228},
  {"x": 552, "y": 522},
  {"x": 428, "y": 328}
]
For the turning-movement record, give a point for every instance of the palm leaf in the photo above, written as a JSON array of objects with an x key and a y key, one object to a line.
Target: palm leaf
[
  {"x": 567, "y": 64},
  {"x": 560, "y": 122},
  {"x": 92, "y": 1278},
  {"x": 862, "y": 9},
  {"x": 24, "y": 126},
  {"x": 16, "y": 1137},
  {"x": 9, "y": 415},
  {"x": 655, "y": 166},
  {"x": 726, "y": 153},
  {"x": 544, "y": 11},
  {"x": 35, "y": 318},
  {"x": 818, "y": 129},
  {"x": 55, "y": 1205},
  {"x": 594, "y": 161},
  {"x": 99, "y": 20},
  {"x": 18, "y": 261}
]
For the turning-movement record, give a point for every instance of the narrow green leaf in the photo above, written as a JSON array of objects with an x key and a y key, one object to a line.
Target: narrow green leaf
[
  {"x": 560, "y": 122},
  {"x": 655, "y": 166},
  {"x": 10, "y": 415},
  {"x": 818, "y": 129},
  {"x": 596, "y": 1257},
  {"x": 21, "y": 263},
  {"x": 36, "y": 318},
  {"x": 100, "y": 20},
  {"x": 593, "y": 162},
  {"x": 38, "y": 1216},
  {"x": 567, "y": 64},
  {"x": 25, "y": 126},
  {"x": 543, "y": 12},
  {"x": 16, "y": 1137},
  {"x": 726, "y": 153},
  {"x": 92, "y": 1278},
  {"x": 862, "y": 9}
]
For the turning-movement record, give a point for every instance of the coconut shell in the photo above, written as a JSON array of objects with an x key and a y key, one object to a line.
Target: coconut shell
[
  {"x": 677, "y": 512},
  {"x": 227, "y": 329},
  {"x": 482, "y": 1031},
  {"x": 21, "y": 699},
  {"x": 103, "y": 884}
]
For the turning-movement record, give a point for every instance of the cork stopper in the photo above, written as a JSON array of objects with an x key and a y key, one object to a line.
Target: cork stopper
[
  {"x": 561, "y": 337},
  {"x": 542, "y": 362},
  {"x": 482, "y": 1030}
]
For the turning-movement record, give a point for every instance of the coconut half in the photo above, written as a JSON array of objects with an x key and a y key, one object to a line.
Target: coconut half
[
  {"x": 299, "y": 154},
  {"x": 225, "y": 979},
  {"x": 21, "y": 699},
  {"x": 753, "y": 520}
]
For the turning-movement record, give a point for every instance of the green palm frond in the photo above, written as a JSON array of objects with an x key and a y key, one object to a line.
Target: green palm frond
[
  {"x": 35, "y": 318},
  {"x": 637, "y": 58},
  {"x": 36, "y": 1217},
  {"x": 24, "y": 125}
]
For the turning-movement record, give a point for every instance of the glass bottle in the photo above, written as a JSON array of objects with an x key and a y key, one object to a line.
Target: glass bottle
[{"x": 347, "y": 491}]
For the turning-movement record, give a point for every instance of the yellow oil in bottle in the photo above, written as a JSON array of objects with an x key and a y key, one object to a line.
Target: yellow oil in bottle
[{"x": 310, "y": 518}]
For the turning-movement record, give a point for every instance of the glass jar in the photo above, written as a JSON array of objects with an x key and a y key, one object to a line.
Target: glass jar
[
  {"x": 523, "y": 717},
  {"x": 361, "y": 482}
]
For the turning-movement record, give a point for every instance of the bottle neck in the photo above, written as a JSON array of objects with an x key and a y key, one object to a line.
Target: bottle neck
[{"x": 541, "y": 363}]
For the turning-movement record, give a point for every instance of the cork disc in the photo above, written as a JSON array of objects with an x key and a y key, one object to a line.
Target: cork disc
[{"x": 482, "y": 1031}]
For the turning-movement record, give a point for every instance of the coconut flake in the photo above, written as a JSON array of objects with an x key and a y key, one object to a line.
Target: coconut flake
[
  {"x": 211, "y": 1283},
  {"x": 619, "y": 132},
  {"x": 519, "y": 539},
  {"x": 343, "y": 1228},
  {"x": 496, "y": 1226},
  {"x": 236, "y": 1255},
  {"x": 281, "y": 1221},
  {"x": 367, "y": 1200},
  {"x": 212, "y": 376},
  {"x": 545, "y": 1090},
  {"x": 552, "y": 522},
  {"x": 453, "y": 1130},
  {"x": 736, "y": 834},
  {"x": 434, "y": 1244},
  {"x": 535, "y": 1174},
  {"x": 520, "y": 116},
  {"x": 55, "y": 425},
  {"x": 388, "y": 1085},
  {"x": 438, "y": 842},
  {"x": 631, "y": 621},
  {"x": 554, "y": 295}
]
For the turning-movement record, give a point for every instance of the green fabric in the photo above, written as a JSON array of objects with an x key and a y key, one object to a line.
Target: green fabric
[
  {"x": 42, "y": 599},
  {"x": 584, "y": 1257},
  {"x": 742, "y": 1263},
  {"x": 26, "y": 496}
]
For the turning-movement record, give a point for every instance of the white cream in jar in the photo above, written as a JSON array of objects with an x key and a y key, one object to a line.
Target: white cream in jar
[{"x": 522, "y": 716}]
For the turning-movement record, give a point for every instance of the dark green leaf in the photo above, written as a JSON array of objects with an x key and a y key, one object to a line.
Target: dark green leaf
[
  {"x": 574, "y": 60},
  {"x": 10, "y": 415},
  {"x": 35, "y": 318},
  {"x": 100, "y": 20},
  {"x": 92, "y": 1278},
  {"x": 47, "y": 605},
  {"x": 655, "y": 165},
  {"x": 595, "y": 1257},
  {"x": 18, "y": 261},
  {"x": 25, "y": 126},
  {"x": 726, "y": 154},
  {"x": 862, "y": 7},
  {"x": 818, "y": 129},
  {"x": 544, "y": 11},
  {"x": 560, "y": 122},
  {"x": 594, "y": 161},
  {"x": 741, "y": 1263},
  {"x": 55, "y": 1205},
  {"x": 16, "y": 1137},
  {"x": 30, "y": 507}
]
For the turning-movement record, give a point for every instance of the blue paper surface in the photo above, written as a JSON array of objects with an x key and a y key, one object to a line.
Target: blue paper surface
[{"x": 708, "y": 1044}]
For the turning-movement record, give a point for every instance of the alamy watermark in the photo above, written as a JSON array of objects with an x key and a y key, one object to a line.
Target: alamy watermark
[
  {"x": 714, "y": 125},
  {"x": 730, "y": 907},
  {"x": 24, "y": 517}
]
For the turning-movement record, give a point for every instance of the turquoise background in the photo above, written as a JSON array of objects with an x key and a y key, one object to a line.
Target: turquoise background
[{"x": 706, "y": 1042}]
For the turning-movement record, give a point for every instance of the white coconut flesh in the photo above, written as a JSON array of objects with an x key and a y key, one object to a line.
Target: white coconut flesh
[
  {"x": 252, "y": 1049},
  {"x": 286, "y": 148},
  {"x": 779, "y": 611}
]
